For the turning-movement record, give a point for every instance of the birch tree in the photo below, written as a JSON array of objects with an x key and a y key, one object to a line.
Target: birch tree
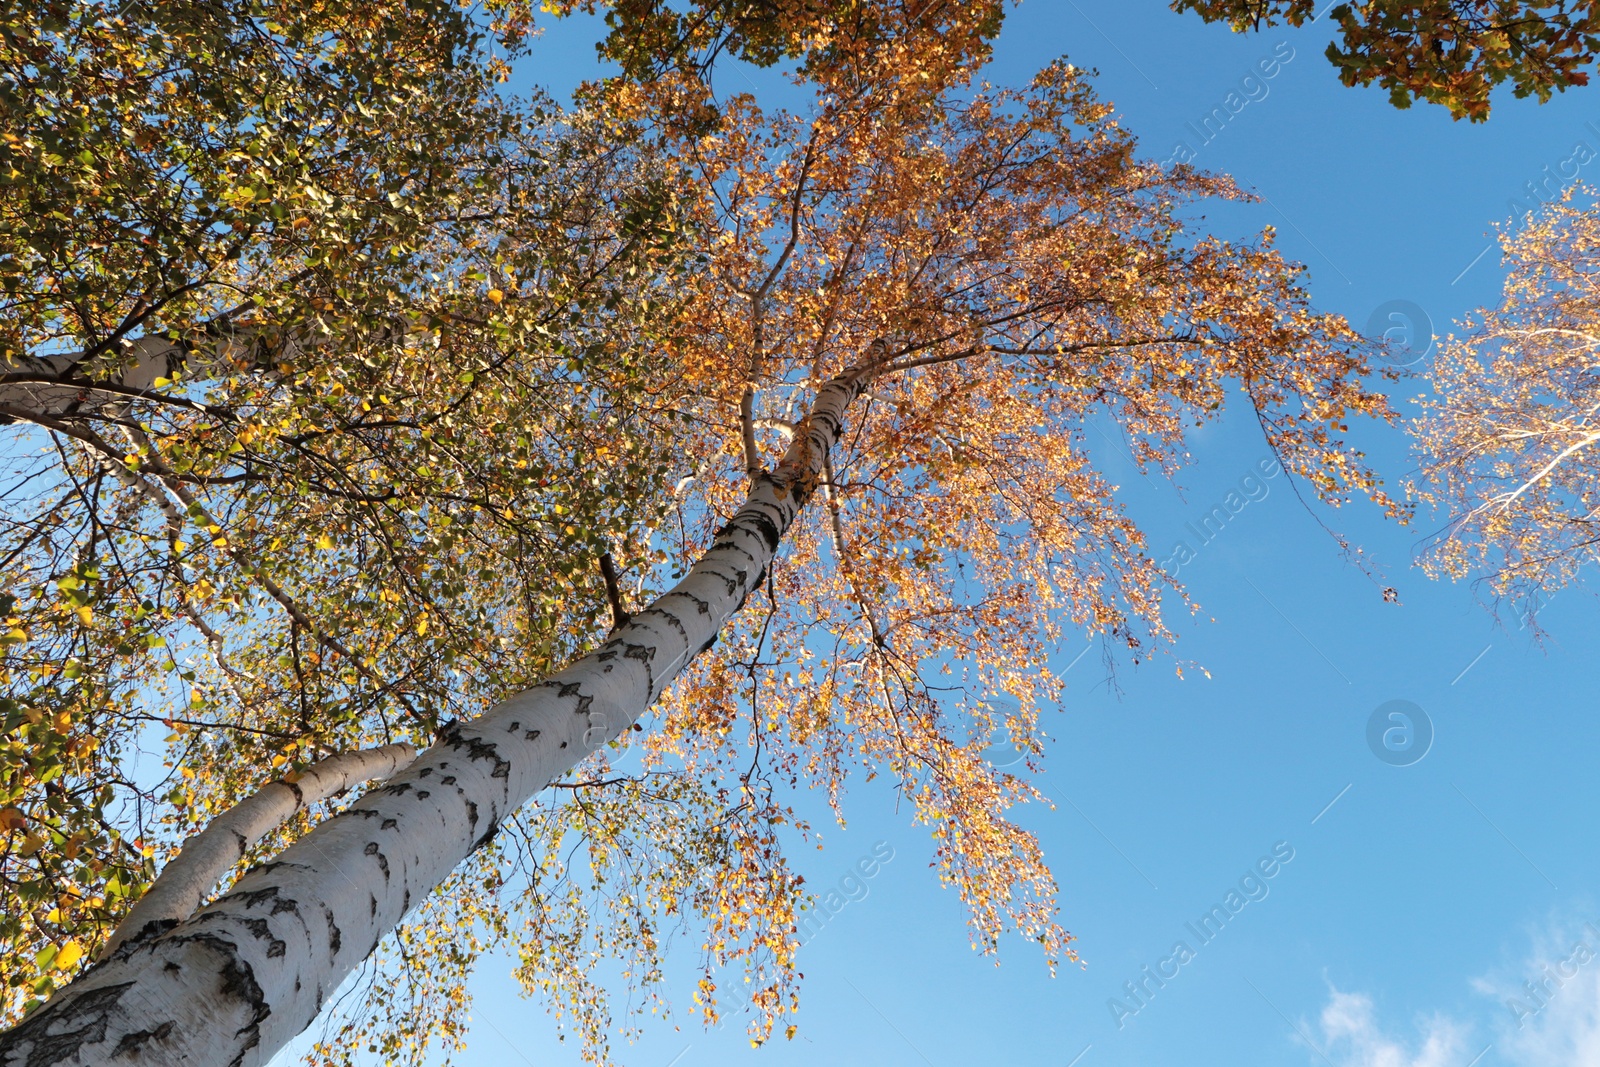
[
  {"x": 302, "y": 327},
  {"x": 1508, "y": 442},
  {"x": 912, "y": 312}
]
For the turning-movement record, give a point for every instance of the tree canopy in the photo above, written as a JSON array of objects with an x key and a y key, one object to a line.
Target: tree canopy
[
  {"x": 347, "y": 397},
  {"x": 304, "y": 327},
  {"x": 1448, "y": 52}
]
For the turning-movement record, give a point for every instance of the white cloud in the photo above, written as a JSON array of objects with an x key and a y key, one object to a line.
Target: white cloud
[
  {"x": 1542, "y": 1011},
  {"x": 1548, "y": 1014},
  {"x": 1351, "y": 1037}
]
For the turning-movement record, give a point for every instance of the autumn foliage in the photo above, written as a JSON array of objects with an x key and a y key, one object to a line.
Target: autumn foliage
[
  {"x": 396, "y": 306},
  {"x": 1507, "y": 443},
  {"x": 474, "y": 346},
  {"x": 1032, "y": 281}
]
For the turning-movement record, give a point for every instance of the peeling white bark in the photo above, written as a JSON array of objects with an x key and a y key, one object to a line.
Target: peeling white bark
[
  {"x": 56, "y": 385},
  {"x": 234, "y": 983},
  {"x": 189, "y": 877}
]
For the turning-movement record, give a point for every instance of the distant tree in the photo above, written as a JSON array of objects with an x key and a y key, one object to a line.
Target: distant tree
[
  {"x": 1449, "y": 52},
  {"x": 1510, "y": 444}
]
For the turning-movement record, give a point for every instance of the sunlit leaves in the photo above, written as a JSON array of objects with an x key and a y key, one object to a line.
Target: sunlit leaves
[
  {"x": 1508, "y": 444},
  {"x": 1036, "y": 291},
  {"x": 363, "y": 495}
]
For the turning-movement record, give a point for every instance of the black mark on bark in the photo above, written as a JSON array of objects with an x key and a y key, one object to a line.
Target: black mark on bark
[
  {"x": 252, "y": 898},
  {"x": 477, "y": 748},
  {"x": 132, "y": 1044},
  {"x": 768, "y": 531},
  {"x": 670, "y": 617},
  {"x": 383, "y": 861},
  {"x": 93, "y": 1009}
]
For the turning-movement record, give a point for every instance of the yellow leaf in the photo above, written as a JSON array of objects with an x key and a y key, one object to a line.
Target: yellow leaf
[
  {"x": 70, "y": 953},
  {"x": 86, "y": 615},
  {"x": 324, "y": 542},
  {"x": 496, "y": 295}
]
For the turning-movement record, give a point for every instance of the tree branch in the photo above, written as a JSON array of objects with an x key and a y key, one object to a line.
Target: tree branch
[
  {"x": 608, "y": 571},
  {"x": 184, "y": 883}
]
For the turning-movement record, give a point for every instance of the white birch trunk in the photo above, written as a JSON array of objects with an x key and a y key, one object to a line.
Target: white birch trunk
[
  {"x": 189, "y": 877},
  {"x": 234, "y": 983},
  {"x": 54, "y": 385}
]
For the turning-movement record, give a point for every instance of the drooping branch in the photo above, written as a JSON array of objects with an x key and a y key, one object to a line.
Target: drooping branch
[
  {"x": 841, "y": 552},
  {"x": 256, "y": 571},
  {"x": 185, "y": 882}
]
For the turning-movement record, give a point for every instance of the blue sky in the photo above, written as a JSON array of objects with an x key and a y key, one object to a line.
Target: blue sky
[{"x": 1418, "y": 898}]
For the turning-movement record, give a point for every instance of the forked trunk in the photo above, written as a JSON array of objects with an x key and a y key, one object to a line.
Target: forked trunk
[
  {"x": 189, "y": 877},
  {"x": 232, "y": 984}
]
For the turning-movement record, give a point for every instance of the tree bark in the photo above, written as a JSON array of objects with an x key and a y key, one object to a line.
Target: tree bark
[
  {"x": 53, "y": 386},
  {"x": 234, "y": 983},
  {"x": 187, "y": 879},
  {"x": 74, "y": 383}
]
